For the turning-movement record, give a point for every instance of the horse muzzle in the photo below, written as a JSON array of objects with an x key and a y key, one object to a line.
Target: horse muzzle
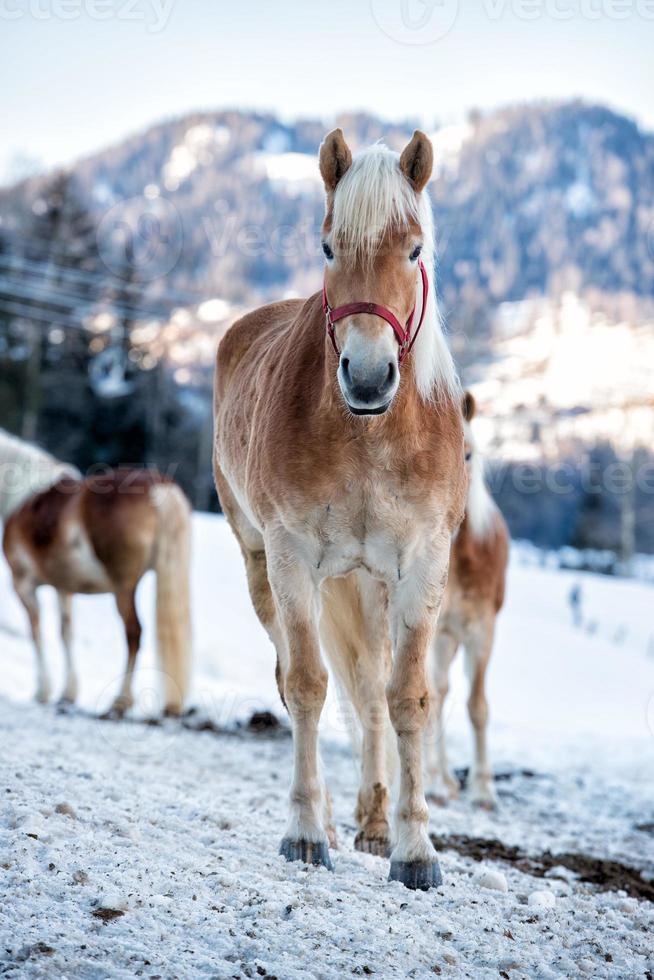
[{"x": 368, "y": 389}]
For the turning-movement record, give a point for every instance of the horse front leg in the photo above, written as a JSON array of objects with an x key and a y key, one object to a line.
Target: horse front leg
[
  {"x": 415, "y": 606},
  {"x": 304, "y": 684}
]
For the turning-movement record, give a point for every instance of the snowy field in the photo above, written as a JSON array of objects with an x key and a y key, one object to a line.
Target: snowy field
[{"x": 129, "y": 849}]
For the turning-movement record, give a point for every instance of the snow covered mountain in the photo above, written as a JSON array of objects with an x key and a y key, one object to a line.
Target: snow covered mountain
[{"x": 528, "y": 200}]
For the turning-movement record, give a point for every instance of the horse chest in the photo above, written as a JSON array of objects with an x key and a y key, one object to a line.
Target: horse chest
[{"x": 370, "y": 530}]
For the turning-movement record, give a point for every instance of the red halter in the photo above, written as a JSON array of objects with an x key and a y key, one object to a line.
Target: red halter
[{"x": 403, "y": 334}]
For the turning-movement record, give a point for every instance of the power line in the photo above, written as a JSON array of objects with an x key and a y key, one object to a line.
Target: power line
[
  {"x": 49, "y": 249},
  {"x": 72, "y": 301},
  {"x": 49, "y": 316},
  {"x": 52, "y": 271}
]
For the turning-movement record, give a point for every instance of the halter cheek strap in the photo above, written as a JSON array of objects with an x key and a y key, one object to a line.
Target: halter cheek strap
[{"x": 403, "y": 334}]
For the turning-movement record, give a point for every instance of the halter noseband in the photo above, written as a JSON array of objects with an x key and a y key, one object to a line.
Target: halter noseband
[{"x": 403, "y": 334}]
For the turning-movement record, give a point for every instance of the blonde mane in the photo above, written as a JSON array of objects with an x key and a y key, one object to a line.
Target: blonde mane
[
  {"x": 480, "y": 506},
  {"x": 371, "y": 196},
  {"x": 24, "y": 471}
]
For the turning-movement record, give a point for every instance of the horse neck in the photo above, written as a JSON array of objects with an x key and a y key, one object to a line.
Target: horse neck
[{"x": 24, "y": 472}]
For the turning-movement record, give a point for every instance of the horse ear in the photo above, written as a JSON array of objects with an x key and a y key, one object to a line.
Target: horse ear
[
  {"x": 335, "y": 158},
  {"x": 469, "y": 406},
  {"x": 417, "y": 160}
]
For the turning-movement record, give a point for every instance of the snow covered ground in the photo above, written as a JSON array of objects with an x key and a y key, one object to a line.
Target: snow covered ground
[{"x": 136, "y": 850}]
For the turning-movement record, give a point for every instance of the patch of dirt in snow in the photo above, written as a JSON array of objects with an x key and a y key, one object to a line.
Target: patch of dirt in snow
[
  {"x": 259, "y": 723},
  {"x": 179, "y": 831},
  {"x": 607, "y": 875}
]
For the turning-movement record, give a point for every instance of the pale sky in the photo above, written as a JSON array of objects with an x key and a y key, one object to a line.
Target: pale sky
[{"x": 73, "y": 83}]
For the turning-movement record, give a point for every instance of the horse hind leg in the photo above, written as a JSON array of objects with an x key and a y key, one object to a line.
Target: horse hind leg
[
  {"x": 126, "y": 604},
  {"x": 478, "y": 648},
  {"x": 26, "y": 592},
  {"x": 256, "y": 570},
  {"x": 355, "y": 635},
  {"x": 442, "y": 785},
  {"x": 69, "y": 695}
]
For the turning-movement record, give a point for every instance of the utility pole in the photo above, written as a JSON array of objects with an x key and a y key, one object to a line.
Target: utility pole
[{"x": 628, "y": 517}]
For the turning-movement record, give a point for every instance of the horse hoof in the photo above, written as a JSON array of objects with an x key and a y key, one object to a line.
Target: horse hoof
[
  {"x": 417, "y": 875},
  {"x": 442, "y": 791},
  {"x": 116, "y": 712},
  {"x": 489, "y": 804},
  {"x": 309, "y": 852},
  {"x": 119, "y": 708},
  {"x": 379, "y": 846},
  {"x": 483, "y": 796},
  {"x": 437, "y": 797}
]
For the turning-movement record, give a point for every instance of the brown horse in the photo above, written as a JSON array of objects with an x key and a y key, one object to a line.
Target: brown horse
[
  {"x": 98, "y": 535},
  {"x": 473, "y": 598},
  {"x": 339, "y": 464}
]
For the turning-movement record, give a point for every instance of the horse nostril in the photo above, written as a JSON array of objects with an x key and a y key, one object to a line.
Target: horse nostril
[
  {"x": 345, "y": 367},
  {"x": 390, "y": 377}
]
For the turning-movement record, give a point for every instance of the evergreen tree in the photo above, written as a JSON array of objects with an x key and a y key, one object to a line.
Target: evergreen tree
[
  {"x": 12, "y": 351},
  {"x": 51, "y": 282}
]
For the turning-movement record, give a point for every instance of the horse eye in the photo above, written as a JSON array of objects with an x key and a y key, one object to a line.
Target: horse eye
[
  {"x": 416, "y": 252},
  {"x": 327, "y": 251}
]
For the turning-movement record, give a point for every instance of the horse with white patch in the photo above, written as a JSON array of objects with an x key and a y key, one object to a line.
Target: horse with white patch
[
  {"x": 473, "y": 599},
  {"x": 339, "y": 464},
  {"x": 98, "y": 535}
]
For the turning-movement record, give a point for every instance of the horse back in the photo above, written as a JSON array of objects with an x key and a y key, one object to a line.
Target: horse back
[{"x": 89, "y": 536}]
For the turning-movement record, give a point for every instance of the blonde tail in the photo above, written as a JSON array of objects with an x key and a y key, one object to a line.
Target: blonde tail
[{"x": 171, "y": 564}]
